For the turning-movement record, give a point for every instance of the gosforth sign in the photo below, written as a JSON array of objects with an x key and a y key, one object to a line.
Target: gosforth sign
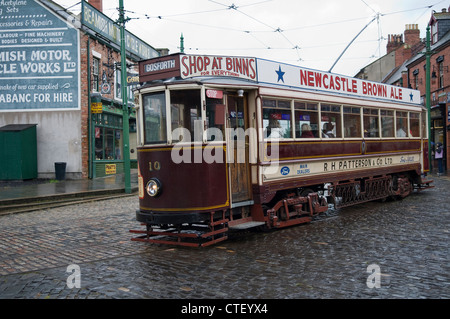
[{"x": 281, "y": 171}]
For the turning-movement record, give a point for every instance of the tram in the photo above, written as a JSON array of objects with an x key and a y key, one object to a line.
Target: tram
[{"x": 233, "y": 143}]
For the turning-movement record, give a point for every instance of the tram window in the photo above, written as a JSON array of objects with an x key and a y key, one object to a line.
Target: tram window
[
  {"x": 277, "y": 119},
  {"x": 402, "y": 123},
  {"x": 331, "y": 120},
  {"x": 387, "y": 123},
  {"x": 306, "y": 120},
  {"x": 186, "y": 115},
  {"x": 352, "y": 121},
  {"x": 155, "y": 118},
  {"x": 215, "y": 117},
  {"x": 414, "y": 124},
  {"x": 371, "y": 127},
  {"x": 424, "y": 125}
]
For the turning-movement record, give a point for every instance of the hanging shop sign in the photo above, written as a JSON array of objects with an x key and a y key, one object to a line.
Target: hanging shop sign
[{"x": 39, "y": 58}]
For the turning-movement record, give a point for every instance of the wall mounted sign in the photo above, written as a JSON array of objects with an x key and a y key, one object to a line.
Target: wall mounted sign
[{"x": 39, "y": 58}]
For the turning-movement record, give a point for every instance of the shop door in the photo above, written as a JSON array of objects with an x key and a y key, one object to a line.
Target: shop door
[{"x": 238, "y": 161}]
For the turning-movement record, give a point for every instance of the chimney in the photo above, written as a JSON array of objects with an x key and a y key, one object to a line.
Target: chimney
[
  {"x": 394, "y": 42},
  {"x": 98, "y": 4},
  {"x": 412, "y": 34}
]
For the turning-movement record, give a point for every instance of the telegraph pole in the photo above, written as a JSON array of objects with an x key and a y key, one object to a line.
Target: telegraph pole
[
  {"x": 428, "y": 92},
  {"x": 124, "y": 87}
]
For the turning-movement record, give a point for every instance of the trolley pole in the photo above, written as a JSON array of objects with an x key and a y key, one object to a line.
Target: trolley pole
[
  {"x": 126, "y": 124},
  {"x": 428, "y": 93}
]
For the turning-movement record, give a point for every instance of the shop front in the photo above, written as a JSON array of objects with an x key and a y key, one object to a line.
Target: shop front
[
  {"x": 440, "y": 117},
  {"x": 107, "y": 139}
]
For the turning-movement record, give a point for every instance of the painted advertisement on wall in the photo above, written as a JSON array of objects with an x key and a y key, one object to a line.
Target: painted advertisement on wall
[{"x": 39, "y": 58}]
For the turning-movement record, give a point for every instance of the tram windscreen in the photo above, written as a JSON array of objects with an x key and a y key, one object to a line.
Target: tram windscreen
[
  {"x": 155, "y": 118},
  {"x": 186, "y": 115}
]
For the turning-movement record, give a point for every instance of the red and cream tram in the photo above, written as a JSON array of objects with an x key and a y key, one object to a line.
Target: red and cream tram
[{"x": 230, "y": 143}]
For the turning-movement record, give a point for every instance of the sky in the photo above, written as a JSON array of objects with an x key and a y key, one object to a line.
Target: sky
[{"x": 306, "y": 33}]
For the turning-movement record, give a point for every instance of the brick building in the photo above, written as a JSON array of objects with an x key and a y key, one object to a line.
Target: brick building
[
  {"x": 62, "y": 73},
  {"x": 405, "y": 65},
  {"x": 440, "y": 79}
]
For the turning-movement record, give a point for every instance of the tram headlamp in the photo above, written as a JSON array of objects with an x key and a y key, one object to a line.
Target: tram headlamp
[{"x": 154, "y": 187}]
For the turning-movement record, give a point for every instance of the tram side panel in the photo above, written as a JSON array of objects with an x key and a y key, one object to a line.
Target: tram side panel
[{"x": 186, "y": 186}]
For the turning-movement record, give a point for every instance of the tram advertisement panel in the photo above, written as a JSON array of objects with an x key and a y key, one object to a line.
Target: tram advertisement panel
[
  {"x": 311, "y": 168},
  {"x": 237, "y": 67},
  {"x": 293, "y": 76}
]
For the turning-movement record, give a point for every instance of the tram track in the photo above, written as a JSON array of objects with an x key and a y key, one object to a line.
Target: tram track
[{"x": 35, "y": 204}]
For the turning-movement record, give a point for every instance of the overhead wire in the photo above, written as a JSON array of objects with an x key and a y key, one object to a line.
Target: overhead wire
[{"x": 270, "y": 29}]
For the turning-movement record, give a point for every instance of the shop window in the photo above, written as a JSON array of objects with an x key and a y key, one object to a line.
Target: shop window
[
  {"x": 186, "y": 116},
  {"x": 387, "y": 123},
  {"x": 441, "y": 75},
  {"x": 99, "y": 149},
  {"x": 352, "y": 121},
  {"x": 414, "y": 124},
  {"x": 401, "y": 123},
  {"x": 277, "y": 118},
  {"x": 108, "y": 144},
  {"x": 118, "y": 84},
  {"x": 331, "y": 121},
  {"x": 371, "y": 127},
  {"x": 306, "y": 120},
  {"x": 155, "y": 118}
]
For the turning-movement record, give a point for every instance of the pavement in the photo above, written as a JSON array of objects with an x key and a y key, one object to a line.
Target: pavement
[{"x": 32, "y": 190}]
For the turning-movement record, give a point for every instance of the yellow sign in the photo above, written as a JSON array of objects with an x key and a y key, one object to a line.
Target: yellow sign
[
  {"x": 96, "y": 107},
  {"x": 110, "y": 169}
]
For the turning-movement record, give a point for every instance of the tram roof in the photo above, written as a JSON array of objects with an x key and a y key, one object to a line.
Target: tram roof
[{"x": 254, "y": 72}]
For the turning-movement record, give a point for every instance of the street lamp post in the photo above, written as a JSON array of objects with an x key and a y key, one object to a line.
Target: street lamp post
[{"x": 126, "y": 124}]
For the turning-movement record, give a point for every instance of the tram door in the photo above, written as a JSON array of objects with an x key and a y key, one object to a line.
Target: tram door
[{"x": 238, "y": 143}]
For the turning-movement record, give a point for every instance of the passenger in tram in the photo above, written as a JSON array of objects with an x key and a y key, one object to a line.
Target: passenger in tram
[
  {"x": 306, "y": 131},
  {"x": 274, "y": 129},
  {"x": 401, "y": 132},
  {"x": 328, "y": 130}
]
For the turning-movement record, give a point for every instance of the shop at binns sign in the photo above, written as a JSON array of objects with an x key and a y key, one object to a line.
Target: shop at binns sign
[{"x": 39, "y": 58}]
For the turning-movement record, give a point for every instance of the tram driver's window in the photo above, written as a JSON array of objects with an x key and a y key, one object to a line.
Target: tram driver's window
[
  {"x": 352, "y": 121},
  {"x": 331, "y": 120},
  {"x": 371, "y": 127},
  {"x": 186, "y": 116},
  {"x": 414, "y": 124},
  {"x": 387, "y": 123},
  {"x": 306, "y": 120},
  {"x": 277, "y": 118},
  {"x": 155, "y": 118}
]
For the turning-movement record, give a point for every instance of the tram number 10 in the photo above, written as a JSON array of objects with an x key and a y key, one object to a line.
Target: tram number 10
[{"x": 154, "y": 166}]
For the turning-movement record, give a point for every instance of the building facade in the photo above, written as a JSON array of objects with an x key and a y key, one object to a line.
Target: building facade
[
  {"x": 405, "y": 65},
  {"x": 440, "y": 79},
  {"x": 63, "y": 73}
]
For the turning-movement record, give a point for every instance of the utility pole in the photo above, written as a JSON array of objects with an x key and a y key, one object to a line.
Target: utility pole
[
  {"x": 124, "y": 87},
  {"x": 182, "y": 44},
  {"x": 428, "y": 92}
]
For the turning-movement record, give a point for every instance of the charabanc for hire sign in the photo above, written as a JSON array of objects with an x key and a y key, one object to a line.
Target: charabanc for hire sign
[{"x": 39, "y": 58}]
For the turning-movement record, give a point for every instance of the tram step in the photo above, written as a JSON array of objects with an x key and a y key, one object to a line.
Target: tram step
[{"x": 246, "y": 225}]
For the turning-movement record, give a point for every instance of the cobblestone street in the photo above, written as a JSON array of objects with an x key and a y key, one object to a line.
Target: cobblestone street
[{"x": 329, "y": 258}]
